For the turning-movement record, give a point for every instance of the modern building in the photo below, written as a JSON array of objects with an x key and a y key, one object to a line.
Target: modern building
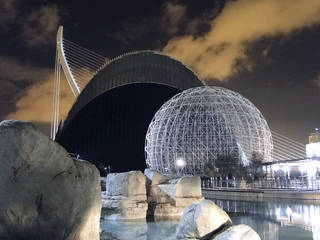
[
  {"x": 108, "y": 122},
  {"x": 313, "y": 147},
  {"x": 203, "y": 125},
  {"x": 306, "y": 167}
]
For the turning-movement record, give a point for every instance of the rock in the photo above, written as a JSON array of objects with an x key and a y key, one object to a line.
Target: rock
[
  {"x": 125, "y": 197},
  {"x": 168, "y": 198},
  {"x": 237, "y": 232},
  {"x": 155, "y": 177},
  {"x": 202, "y": 220},
  {"x": 44, "y": 193}
]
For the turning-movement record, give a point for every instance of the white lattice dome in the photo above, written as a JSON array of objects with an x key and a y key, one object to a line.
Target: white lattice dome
[{"x": 200, "y": 124}]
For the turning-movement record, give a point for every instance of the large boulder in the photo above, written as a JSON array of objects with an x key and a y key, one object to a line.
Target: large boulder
[
  {"x": 237, "y": 232},
  {"x": 202, "y": 221},
  {"x": 168, "y": 198},
  {"x": 125, "y": 197},
  {"x": 44, "y": 193}
]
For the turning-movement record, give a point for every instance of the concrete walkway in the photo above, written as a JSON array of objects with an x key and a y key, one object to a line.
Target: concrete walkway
[{"x": 261, "y": 194}]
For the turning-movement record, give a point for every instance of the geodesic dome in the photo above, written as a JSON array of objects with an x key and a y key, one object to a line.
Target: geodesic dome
[{"x": 200, "y": 124}]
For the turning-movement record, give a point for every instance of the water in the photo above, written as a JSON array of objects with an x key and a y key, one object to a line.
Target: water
[
  {"x": 276, "y": 219},
  {"x": 272, "y": 220}
]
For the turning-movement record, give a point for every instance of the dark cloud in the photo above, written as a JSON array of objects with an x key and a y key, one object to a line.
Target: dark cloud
[
  {"x": 8, "y": 13},
  {"x": 40, "y": 26},
  {"x": 15, "y": 78},
  {"x": 174, "y": 13}
]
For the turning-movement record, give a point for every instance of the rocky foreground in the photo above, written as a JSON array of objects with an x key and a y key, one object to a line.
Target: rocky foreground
[
  {"x": 135, "y": 196},
  {"x": 44, "y": 193}
]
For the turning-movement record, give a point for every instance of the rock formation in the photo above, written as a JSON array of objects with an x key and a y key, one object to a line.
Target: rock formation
[
  {"x": 44, "y": 193},
  {"x": 237, "y": 232},
  {"x": 207, "y": 221},
  {"x": 129, "y": 195},
  {"x": 125, "y": 197},
  {"x": 167, "y": 198},
  {"x": 202, "y": 220}
]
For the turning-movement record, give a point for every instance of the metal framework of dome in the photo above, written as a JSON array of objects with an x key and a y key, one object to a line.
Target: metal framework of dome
[{"x": 200, "y": 124}]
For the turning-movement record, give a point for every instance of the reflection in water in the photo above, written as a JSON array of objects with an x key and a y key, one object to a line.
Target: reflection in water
[
  {"x": 139, "y": 230},
  {"x": 271, "y": 219}
]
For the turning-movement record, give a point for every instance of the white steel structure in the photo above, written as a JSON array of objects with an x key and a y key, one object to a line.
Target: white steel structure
[
  {"x": 79, "y": 65},
  {"x": 200, "y": 124}
]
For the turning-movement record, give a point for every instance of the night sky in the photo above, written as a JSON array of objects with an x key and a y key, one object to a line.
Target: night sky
[{"x": 268, "y": 50}]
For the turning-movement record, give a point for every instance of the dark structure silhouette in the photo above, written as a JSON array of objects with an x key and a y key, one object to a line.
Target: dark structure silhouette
[{"x": 109, "y": 120}]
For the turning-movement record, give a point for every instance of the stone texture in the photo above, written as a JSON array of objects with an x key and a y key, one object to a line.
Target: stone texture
[
  {"x": 168, "y": 198},
  {"x": 154, "y": 177},
  {"x": 45, "y": 194},
  {"x": 237, "y": 232},
  {"x": 125, "y": 197},
  {"x": 201, "y": 220}
]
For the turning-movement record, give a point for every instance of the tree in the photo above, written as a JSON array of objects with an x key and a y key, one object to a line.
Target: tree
[
  {"x": 209, "y": 171},
  {"x": 229, "y": 166},
  {"x": 254, "y": 169}
]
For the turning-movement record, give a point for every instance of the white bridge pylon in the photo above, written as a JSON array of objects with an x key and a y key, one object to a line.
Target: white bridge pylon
[{"x": 79, "y": 66}]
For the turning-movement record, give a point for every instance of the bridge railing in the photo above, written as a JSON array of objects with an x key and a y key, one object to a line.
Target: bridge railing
[{"x": 298, "y": 183}]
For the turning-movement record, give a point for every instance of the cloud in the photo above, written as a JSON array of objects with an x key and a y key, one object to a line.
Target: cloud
[
  {"x": 37, "y": 27},
  {"x": 29, "y": 91},
  {"x": 222, "y": 51},
  {"x": 173, "y": 15},
  {"x": 34, "y": 88},
  {"x": 12, "y": 69},
  {"x": 40, "y": 26},
  {"x": 15, "y": 76},
  {"x": 36, "y": 103},
  {"x": 8, "y": 13},
  {"x": 317, "y": 81}
]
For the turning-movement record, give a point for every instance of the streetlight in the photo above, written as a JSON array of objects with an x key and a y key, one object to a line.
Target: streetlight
[{"x": 180, "y": 162}]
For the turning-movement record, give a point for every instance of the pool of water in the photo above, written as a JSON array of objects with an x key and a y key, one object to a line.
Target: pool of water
[
  {"x": 273, "y": 220},
  {"x": 276, "y": 219}
]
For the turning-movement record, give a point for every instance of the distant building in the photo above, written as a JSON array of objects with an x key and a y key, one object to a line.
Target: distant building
[
  {"x": 309, "y": 167},
  {"x": 313, "y": 148}
]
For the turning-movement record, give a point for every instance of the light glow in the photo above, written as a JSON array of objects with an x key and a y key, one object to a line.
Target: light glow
[{"x": 180, "y": 162}]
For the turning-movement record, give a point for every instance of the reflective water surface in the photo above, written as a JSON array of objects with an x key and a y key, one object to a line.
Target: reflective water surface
[
  {"x": 273, "y": 220},
  {"x": 276, "y": 219}
]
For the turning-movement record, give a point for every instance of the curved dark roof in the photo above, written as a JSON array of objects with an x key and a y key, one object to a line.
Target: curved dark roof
[
  {"x": 108, "y": 122},
  {"x": 135, "y": 67}
]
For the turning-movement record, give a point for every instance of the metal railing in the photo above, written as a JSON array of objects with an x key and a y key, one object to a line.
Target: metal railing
[{"x": 298, "y": 183}]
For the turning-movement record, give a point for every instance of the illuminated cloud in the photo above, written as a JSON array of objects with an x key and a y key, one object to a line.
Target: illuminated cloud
[
  {"x": 37, "y": 27},
  {"x": 36, "y": 103},
  {"x": 40, "y": 27},
  {"x": 221, "y": 52},
  {"x": 15, "y": 76}
]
